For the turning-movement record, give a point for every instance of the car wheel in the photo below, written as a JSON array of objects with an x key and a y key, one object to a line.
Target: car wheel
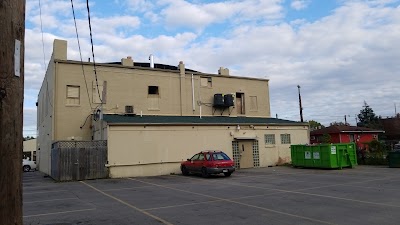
[
  {"x": 204, "y": 172},
  {"x": 227, "y": 174},
  {"x": 26, "y": 168},
  {"x": 185, "y": 172}
]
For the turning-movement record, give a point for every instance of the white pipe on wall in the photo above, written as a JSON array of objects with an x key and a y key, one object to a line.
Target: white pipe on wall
[{"x": 193, "y": 103}]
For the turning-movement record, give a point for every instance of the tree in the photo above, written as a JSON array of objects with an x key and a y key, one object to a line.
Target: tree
[
  {"x": 315, "y": 125},
  {"x": 326, "y": 138},
  {"x": 338, "y": 124},
  {"x": 367, "y": 117},
  {"x": 28, "y": 138}
]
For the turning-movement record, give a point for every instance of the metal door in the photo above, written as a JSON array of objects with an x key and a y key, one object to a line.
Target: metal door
[{"x": 246, "y": 154}]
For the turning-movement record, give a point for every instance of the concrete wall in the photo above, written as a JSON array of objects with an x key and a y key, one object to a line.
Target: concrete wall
[
  {"x": 45, "y": 109},
  {"x": 158, "y": 150}
]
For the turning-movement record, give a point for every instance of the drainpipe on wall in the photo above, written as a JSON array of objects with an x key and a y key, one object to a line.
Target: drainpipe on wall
[
  {"x": 182, "y": 85},
  {"x": 193, "y": 104}
]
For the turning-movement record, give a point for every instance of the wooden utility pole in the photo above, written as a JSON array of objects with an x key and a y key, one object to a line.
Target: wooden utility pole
[
  {"x": 300, "y": 106},
  {"x": 12, "y": 38}
]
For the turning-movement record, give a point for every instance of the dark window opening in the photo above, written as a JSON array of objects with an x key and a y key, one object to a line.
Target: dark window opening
[{"x": 153, "y": 90}]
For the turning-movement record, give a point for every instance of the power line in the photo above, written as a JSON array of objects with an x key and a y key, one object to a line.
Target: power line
[
  {"x": 44, "y": 56},
  {"x": 94, "y": 61},
  {"x": 80, "y": 54}
]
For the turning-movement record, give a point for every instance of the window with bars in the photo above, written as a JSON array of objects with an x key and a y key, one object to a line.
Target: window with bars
[
  {"x": 269, "y": 139},
  {"x": 256, "y": 154},
  {"x": 285, "y": 139},
  {"x": 236, "y": 153}
]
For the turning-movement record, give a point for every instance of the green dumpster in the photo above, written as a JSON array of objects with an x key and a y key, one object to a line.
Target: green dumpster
[
  {"x": 332, "y": 156},
  {"x": 394, "y": 159}
]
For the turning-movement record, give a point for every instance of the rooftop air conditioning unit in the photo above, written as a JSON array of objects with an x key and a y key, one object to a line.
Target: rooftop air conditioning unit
[{"x": 129, "y": 109}]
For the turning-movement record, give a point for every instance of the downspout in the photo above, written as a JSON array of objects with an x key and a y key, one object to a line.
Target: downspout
[
  {"x": 200, "y": 99},
  {"x": 193, "y": 103}
]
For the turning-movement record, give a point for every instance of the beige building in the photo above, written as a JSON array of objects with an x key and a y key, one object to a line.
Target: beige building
[
  {"x": 29, "y": 150},
  {"x": 153, "y": 116}
]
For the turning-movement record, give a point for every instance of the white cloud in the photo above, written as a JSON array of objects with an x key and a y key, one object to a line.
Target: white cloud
[
  {"x": 180, "y": 13},
  {"x": 300, "y": 4},
  {"x": 340, "y": 60}
]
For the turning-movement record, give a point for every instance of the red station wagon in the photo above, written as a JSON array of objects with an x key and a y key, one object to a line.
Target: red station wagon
[{"x": 208, "y": 162}]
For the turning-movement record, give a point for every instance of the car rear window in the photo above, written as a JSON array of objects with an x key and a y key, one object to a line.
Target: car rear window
[{"x": 220, "y": 156}]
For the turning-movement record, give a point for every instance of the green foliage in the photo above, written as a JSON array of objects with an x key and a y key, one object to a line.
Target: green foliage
[
  {"x": 315, "y": 125},
  {"x": 376, "y": 154},
  {"x": 28, "y": 138},
  {"x": 326, "y": 138},
  {"x": 367, "y": 118},
  {"x": 338, "y": 124}
]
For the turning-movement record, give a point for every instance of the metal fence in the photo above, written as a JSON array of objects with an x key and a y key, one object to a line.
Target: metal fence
[{"x": 78, "y": 160}]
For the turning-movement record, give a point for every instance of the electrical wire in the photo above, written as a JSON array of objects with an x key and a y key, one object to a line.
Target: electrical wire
[
  {"x": 80, "y": 54},
  {"x": 44, "y": 55},
  {"x": 94, "y": 61}
]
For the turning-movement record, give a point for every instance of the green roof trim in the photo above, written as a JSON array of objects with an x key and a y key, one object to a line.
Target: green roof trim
[{"x": 209, "y": 120}]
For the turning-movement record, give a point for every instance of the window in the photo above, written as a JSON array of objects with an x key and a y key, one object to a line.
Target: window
[
  {"x": 201, "y": 157},
  {"x": 73, "y": 95},
  {"x": 153, "y": 90},
  {"x": 253, "y": 103},
  {"x": 269, "y": 139},
  {"x": 195, "y": 157},
  {"x": 208, "y": 156},
  {"x": 220, "y": 156},
  {"x": 285, "y": 139},
  {"x": 153, "y": 98},
  {"x": 206, "y": 82}
]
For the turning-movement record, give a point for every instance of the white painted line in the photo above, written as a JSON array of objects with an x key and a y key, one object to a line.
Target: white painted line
[
  {"x": 55, "y": 213},
  {"x": 43, "y": 192},
  {"x": 59, "y": 199},
  {"x": 181, "y": 205},
  {"x": 129, "y": 205},
  {"x": 318, "y": 187},
  {"x": 240, "y": 203}
]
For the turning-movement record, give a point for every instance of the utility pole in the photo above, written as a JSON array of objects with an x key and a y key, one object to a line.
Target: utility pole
[
  {"x": 12, "y": 39},
  {"x": 301, "y": 108},
  {"x": 345, "y": 119}
]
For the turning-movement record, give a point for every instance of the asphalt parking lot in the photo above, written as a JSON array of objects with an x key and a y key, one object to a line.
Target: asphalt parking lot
[{"x": 277, "y": 195}]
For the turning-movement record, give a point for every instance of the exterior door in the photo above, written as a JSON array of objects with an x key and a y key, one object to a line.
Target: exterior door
[
  {"x": 240, "y": 103},
  {"x": 246, "y": 154}
]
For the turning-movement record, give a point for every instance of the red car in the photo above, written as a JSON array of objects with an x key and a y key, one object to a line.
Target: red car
[{"x": 208, "y": 162}]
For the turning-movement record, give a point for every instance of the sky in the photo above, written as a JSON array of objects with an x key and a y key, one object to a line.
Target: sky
[{"x": 340, "y": 52}]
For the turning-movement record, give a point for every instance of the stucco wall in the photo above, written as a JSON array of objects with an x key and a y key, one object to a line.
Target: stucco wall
[{"x": 158, "y": 150}]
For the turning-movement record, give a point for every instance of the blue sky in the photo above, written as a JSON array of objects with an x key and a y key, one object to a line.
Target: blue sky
[{"x": 340, "y": 52}]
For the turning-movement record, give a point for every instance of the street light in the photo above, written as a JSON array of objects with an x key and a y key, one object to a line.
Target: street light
[{"x": 301, "y": 108}]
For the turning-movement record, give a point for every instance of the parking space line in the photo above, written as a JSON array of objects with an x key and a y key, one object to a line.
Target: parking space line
[
  {"x": 61, "y": 212},
  {"x": 181, "y": 205},
  {"x": 318, "y": 195},
  {"x": 41, "y": 192},
  {"x": 236, "y": 202},
  {"x": 59, "y": 199},
  {"x": 127, "y": 204},
  {"x": 205, "y": 202}
]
